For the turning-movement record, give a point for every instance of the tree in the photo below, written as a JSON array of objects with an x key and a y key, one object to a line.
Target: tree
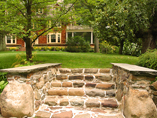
[
  {"x": 84, "y": 13},
  {"x": 28, "y": 19},
  {"x": 2, "y": 32},
  {"x": 118, "y": 21}
]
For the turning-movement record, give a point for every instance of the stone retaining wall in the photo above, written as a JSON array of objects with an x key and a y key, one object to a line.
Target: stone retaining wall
[
  {"x": 123, "y": 79},
  {"x": 135, "y": 82}
]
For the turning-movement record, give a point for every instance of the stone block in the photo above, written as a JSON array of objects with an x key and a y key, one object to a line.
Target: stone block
[
  {"x": 76, "y": 92},
  {"x": 92, "y": 85},
  {"x": 109, "y": 103},
  {"x": 67, "y": 84},
  {"x": 64, "y": 70},
  {"x": 91, "y": 70},
  {"x": 77, "y": 70},
  {"x": 40, "y": 84},
  {"x": 42, "y": 114},
  {"x": 67, "y": 114},
  {"x": 139, "y": 104},
  {"x": 77, "y": 102},
  {"x": 105, "y": 86},
  {"x": 83, "y": 116},
  {"x": 78, "y": 84},
  {"x": 94, "y": 93},
  {"x": 64, "y": 102},
  {"x": 92, "y": 103},
  {"x": 61, "y": 77},
  {"x": 56, "y": 84},
  {"x": 89, "y": 77},
  {"x": 106, "y": 77},
  {"x": 105, "y": 70},
  {"x": 76, "y": 77},
  {"x": 37, "y": 95},
  {"x": 58, "y": 92},
  {"x": 17, "y": 100},
  {"x": 52, "y": 101},
  {"x": 110, "y": 93},
  {"x": 37, "y": 104}
]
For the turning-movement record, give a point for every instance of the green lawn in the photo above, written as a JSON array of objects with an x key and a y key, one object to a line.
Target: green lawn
[{"x": 68, "y": 60}]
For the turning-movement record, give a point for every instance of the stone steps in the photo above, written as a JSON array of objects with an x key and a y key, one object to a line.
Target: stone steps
[{"x": 80, "y": 93}]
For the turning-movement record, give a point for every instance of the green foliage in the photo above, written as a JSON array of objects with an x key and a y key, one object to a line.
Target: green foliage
[
  {"x": 106, "y": 48},
  {"x": 20, "y": 61},
  {"x": 77, "y": 44},
  {"x": 148, "y": 59},
  {"x": 3, "y": 81},
  {"x": 131, "y": 49}
]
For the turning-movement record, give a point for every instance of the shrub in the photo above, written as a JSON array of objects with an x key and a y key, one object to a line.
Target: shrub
[
  {"x": 131, "y": 49},
  {"x": 106, "y": 48},
  {"x": 3, "y": 81},
  {"x": 78, "y": 44},
  {"x": 148, "y": 59}
]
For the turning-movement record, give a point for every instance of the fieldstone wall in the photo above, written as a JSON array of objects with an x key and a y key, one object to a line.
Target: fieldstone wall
[
  {"x": 134, "y": 86},
  {"x": 38, "y": 76}
]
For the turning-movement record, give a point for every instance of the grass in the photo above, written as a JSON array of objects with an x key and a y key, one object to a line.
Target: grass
[{"x": 68, "y": 60}]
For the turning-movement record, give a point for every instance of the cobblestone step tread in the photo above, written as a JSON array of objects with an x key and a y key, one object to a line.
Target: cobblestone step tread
[{"x": 71, "y": 113}]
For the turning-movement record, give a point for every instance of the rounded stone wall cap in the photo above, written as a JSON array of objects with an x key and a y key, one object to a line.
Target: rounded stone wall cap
[
  {"x": 29, "y": 69},
  {"x": 136, "y": 70}
]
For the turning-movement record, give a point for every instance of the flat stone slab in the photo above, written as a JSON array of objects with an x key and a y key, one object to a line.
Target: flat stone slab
[
  {"x": 29, "y": 69},
  {"x": 136, "y": 70}
]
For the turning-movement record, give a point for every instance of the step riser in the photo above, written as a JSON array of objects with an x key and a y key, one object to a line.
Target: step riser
[
  {"x": 81, "y": 102},
  {"x": 103, "y": 86},
  {"x": 82, "y": 92}
]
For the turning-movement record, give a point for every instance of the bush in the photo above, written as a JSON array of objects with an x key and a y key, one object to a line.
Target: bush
[
  {"x": 106, "y": 48},
  {"x": 131, "y": 49},
  {"x": 148, "y": 59},
  {"x": 77, "y": 44},
  {"x": 3, "y": 81}
]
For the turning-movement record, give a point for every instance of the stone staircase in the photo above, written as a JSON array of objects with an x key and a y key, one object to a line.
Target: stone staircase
[{"x": 80, "y": 93}]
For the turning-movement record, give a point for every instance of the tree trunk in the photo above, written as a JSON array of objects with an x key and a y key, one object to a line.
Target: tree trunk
[
  {"x": 146, "y": 42},
  {"x": 2, "y": 43},
  {"x": 96, "y": 45},
  {"x": 28, "y": 48},
  {"x": 29, "y": 26},
  {"x": 121, "y": 46}
]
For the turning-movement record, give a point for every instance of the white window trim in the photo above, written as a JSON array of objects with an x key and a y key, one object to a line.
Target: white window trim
[
  {"x": 50, "y": 38},
  {"x": 11, "y": 40}
]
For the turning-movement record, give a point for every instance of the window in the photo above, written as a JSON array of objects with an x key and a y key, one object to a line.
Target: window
[
  {"x": 54, "y": 38},
  {"x": 10, "y": 39}
]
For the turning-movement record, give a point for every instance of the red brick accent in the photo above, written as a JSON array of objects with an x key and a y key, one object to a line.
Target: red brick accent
[
  {"x": 63, "y": 35},
  {"x": 20, "y": 41},
  {"x": 42, "y": 40}
]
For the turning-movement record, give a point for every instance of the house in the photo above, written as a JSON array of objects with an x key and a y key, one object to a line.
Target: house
[{"x": 54, "y": 38}]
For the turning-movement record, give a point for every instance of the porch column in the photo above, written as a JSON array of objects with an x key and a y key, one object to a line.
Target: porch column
[
  {"x": 66, "y": 36},
  {"x": 91, "y": 37},
  {"x": 72, "y": 34}
]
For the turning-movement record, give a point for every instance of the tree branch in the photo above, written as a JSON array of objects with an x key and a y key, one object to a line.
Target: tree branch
[{"x": 19, "y": 10}]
